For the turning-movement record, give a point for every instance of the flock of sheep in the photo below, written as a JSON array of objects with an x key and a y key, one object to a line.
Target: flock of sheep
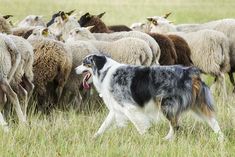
[{"x": 40, "y": 58}]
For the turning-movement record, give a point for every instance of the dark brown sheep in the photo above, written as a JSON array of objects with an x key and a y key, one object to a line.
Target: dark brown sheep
[
  {"x": 119, "y": 28},
  {"x": 182, "y": 50},
  {"x": 99, "y": 26},
  {"x": 168, "y": 54}
]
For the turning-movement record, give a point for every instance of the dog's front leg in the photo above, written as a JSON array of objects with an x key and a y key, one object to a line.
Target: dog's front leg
[{"x": 106, "y": 124}]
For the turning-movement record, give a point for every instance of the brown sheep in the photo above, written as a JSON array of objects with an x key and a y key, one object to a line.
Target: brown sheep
[
  {"x": 182, "y": 50},
  {"x": 51, "y": 68},
  {"x": 168, "y": 54},
  {"x": 99, "y": 26}
]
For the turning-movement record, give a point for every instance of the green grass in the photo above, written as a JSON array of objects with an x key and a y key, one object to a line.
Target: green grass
[{"x": 70, "y": 134}]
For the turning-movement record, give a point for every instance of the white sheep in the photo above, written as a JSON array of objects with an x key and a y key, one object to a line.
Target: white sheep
[
  {"x": 8, "y": 62},
  {"x": 24, "y": 72},
  {"x": 63, "y": 24},
  {"x": 32, "y": 20},
  {"x": 126, "y": 50},
  {"x": 156, "y": 52},
  {"x": 209, "y": 50}
]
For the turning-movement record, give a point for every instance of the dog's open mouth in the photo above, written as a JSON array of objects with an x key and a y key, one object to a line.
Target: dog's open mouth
[{"x": 87, "y": 76}]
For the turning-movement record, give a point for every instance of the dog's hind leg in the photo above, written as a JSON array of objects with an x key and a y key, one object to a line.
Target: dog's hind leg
[
  {"x": 106, "y": 124},
  {"x": 138, "y": 118},
  {"x": 170, "y": 110},
  {"x": 208, "y": 115}
]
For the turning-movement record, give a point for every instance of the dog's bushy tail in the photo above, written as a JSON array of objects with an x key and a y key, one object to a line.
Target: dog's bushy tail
[
  {"x": 203, "y": 98},
  {"x": 206, "y": 96}
]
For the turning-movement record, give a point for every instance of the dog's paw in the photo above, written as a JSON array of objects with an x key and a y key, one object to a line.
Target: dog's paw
[
  {"x": 221, "y": 137},
  {"x": 95, "y": 136},
  {"x": 168, "y": 138}
]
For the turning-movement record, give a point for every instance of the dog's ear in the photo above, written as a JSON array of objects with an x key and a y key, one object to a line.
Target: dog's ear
[{"x": 99, "y": 61}]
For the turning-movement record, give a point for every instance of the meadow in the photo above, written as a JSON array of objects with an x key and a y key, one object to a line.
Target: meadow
[{"x": 69, "y": 134}]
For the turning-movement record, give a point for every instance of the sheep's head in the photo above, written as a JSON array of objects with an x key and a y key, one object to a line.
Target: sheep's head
[
  {"x": 41, "y": 32},
  {"x": 5, "y": 26},
  {"x": 81, "y": 33},
  {"x": 59, "y": 14},
  {"x": 160, "y": 24},
  {"x": 93, "y": 20},
  {"x": 142, "y": 27},
  {"x": 32, "y": 20}
]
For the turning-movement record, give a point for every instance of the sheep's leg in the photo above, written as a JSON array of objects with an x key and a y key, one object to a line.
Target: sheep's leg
[
  {"x": 3, "y": 123},
  {"x": 28, "y": 85},
  {"x": 12, "y": 96},
  {"x": 23, "y": 96},
  {"x": 220, "y": 86},
  {"x": 232, "y": 80}
]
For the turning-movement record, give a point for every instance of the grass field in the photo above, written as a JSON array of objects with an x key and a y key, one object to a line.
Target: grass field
[{"x": 70, "y": 134}]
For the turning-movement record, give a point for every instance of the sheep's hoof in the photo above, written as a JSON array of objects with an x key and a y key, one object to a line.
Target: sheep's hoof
[{"x": 5, "y": 128}]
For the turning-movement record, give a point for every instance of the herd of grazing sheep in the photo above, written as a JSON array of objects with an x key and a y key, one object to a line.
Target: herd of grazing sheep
[{"x": 38, "y": 58}]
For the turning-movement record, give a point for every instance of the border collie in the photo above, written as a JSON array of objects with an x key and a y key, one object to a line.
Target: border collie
[{"x": 139, "y": 93}]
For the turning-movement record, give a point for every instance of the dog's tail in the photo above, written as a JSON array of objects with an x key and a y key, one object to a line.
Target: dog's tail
[{"x": 203, "y": 99}]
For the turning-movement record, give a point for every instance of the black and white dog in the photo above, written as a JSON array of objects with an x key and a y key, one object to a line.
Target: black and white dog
[{"x": 139, "y": 93}]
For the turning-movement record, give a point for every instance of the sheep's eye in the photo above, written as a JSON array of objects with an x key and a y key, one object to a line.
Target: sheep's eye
[
  {"x": 77, "y": 31},
  {"x": 154, "y": 22},
  {"x": 34, "y": 33},
  {"x": 27, "y": 20}
]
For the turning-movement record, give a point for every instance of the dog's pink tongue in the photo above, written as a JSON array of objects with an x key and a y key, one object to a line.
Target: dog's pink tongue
[{"x": 85, "y": 83}]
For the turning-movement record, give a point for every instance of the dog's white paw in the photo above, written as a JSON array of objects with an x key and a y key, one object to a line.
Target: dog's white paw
[
  {"x": 168, "y": 137},
  {"x": 95, "y": 136},
  {"x": 221, "y": 137}
]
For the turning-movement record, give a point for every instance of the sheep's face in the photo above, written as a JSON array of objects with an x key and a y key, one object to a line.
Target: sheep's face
[
  {"x": 41, "y": 32},
  {"x": 32, "y": 20},
  {"x": 81, "y": 33},
  {"x": 85, "y": 19},
  {"x": 5, "y": 26},
  {"x": 142, "y": 27}
]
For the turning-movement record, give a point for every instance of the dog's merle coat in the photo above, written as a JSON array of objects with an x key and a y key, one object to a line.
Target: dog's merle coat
[{"x": 128, "y": 91}]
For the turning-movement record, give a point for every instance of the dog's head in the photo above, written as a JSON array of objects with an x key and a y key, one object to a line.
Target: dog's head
[{"x": 91, "y": 66}]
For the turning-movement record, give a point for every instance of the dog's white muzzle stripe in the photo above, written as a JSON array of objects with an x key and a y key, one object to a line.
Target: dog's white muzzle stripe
[{"x": 80, "y": 69}]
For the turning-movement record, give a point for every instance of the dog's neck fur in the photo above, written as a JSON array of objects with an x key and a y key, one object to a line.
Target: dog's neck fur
[{"x": 99, "y": 76}]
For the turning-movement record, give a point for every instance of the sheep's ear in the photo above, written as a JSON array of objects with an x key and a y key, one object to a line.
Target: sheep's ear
[
  {"x": 63, "y": 16},
  {"x": 45, "y": 32},
  {"x": 87, "y": 15},
  {"x": 37, "y": 18},
  {"x": 166, "y": 15},
  {"x": 101, "y": 15},
  {"x": 70, "y": 12},
  {"x": 90, "y": 27},
  {"x": 7, "y": 16},
  {"x": 150, "y": 19}
]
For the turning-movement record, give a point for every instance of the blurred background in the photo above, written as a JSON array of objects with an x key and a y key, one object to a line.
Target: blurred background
[{"x": 125, "y": 11}]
